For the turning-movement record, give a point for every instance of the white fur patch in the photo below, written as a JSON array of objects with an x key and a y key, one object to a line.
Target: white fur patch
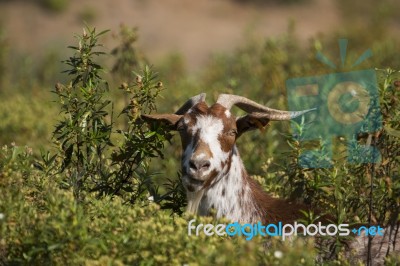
[
  {"x": 200, "y": 156},
  {"x": 228, "y": 113}
]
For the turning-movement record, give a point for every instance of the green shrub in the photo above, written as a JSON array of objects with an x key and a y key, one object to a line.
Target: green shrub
[
  {"x": 41, "y": 223},
  {"x": 96, "y": 156}
]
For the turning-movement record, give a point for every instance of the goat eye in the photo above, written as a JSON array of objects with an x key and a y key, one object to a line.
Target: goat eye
[
  {"x": 232, "y": 132},
  {"x": 181, "y": 127}
]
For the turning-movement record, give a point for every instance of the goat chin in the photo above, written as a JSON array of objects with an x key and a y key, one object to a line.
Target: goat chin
[{"x": 194, "y": 199}]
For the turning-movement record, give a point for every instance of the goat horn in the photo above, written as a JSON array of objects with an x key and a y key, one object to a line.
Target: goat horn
[
  {"x": 190, "y": 103},
  {"x": 228, "y": 100}
]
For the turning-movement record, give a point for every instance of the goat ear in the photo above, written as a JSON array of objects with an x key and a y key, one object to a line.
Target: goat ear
[
  {"x": 168, "y": 119},
  {"x": 250, "y": 122}
]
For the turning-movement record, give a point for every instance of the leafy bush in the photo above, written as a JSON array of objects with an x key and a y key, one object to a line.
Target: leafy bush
[
  {"x": 42, "y": 223},
  {"x": 86, "y": 131}
]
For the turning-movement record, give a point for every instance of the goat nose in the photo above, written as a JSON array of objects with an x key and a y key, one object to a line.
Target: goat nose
[{"x": 199, "y": 164}]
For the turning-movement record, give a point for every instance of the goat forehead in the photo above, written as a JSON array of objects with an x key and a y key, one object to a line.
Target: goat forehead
[
  {"x": 208, "y": 127},
  {"x": 216, "y": 111},
  {"x": 208, "y": 130}
]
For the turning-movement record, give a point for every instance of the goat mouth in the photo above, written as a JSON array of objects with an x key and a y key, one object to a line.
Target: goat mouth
[{"x": 194, "y": 181}]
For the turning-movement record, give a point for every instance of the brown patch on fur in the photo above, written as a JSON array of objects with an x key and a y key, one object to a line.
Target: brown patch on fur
[
  {"x": 199, "y": 109},
  {"x": 273, "y": 210},
  {"x": 227, "y": 139},
  {"x": 216, "y": 110},
  {"x": 209, "y": 180},
  {"x": 229, "y": 162},
  {"x": 202, "y": 147}
]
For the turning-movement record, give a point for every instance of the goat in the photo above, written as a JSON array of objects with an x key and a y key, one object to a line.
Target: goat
[{"x": 213, "y": 173}]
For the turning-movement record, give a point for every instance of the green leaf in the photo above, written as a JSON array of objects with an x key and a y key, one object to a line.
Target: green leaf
[{"x": 149, "y": 134}]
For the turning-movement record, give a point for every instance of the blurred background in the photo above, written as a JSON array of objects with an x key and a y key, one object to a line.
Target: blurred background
[
  {"x": 247, "y": 47},
  {"x": 194, "y": 29}
]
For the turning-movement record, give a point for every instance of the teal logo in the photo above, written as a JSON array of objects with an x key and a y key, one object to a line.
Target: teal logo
[{"x": 347, "y": 105}]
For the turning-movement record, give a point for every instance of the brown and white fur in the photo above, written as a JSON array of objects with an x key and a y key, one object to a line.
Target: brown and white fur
[{"x": 213, "y": 173}]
